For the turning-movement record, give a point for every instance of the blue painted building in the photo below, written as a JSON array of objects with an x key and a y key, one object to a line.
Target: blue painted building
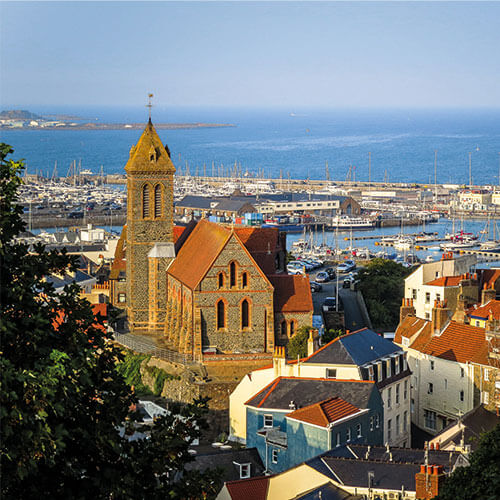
[{"x": 294, "y": 419}]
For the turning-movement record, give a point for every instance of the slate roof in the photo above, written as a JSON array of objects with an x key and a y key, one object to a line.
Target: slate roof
[
  {"x": 67, "y": 279},
  {"x": 308, "y": 391},
  {"x": 325, "y": 412},
  {"x": 292, "y": 293},
  {"x": 227, "y": 460},
  {"x": 328, "y": 491},
  {"x": 192, "y": 201},
  {"x": 249, "y": 489},
  {"x": 357, "y": 348},
  {"x": 484, "y": 311}
]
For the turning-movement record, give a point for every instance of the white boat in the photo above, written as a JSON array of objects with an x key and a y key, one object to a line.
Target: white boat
[
  {"x": 403, "y": 243},
  {"x": 346, "y": 222},
  {"x": 458, "y": 245}
]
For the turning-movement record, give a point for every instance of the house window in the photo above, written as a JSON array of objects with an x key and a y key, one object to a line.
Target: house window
[
  {"x": 486, "y": 374},
  {"x": 462, "y": 395},
  {"x": 268, "y": 420},
  {"x": 145, "y": 201},
  {"x": 283, "y": 328},
  {"x": 430, "y": 388},
  {"x": 372, "y": 423},
  {"x": 414, "y": 294},
  {"x": 438, "y": 296},
  {"x": 430, "y": 419},
  {"x": 462, "y": 372},
  {"x": 485, "y": 397},
  {"x": 245, "y": 314},
  {"x": 405, "y": 421},
  {"x": 244, "y": 280},
  {"x": 331, "y": 373},
  {"x": 158, "y": 197},
  {"x": 397, "y": 394},
  {"x": 397, "y": 425},
  {"x": 337, "y": 442},
  {"x": 478, "y": 323},
  {"x": 121, "y": 298},
  {"x": 405, "y": 390},
  {"x": 358, "y": 430},
  {"x": 244, "y": 471},
  {"x": 292, "y": 328},
  {"x": 396, "y": 365},
  {"x": 427, "y": 297},
  {"x": 389, "y": 397},
  {"x": 388, "y": 363},
  {"x": 377, "y": 420},
  {"x": 232, "y": 274},
  {"x": 348, "y": 435},
  {"x": 221, "y": 315},
  {"x": 432, "y": 365},
  {"x": 389, "y": 429},
  {"x": 220, "y": 280},
  {"x": 274, "y": 458}
]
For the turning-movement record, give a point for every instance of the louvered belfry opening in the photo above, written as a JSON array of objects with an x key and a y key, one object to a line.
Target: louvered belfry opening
[
  {"x": 158, "y": 201},
  {"x": 145, "y": 202}
]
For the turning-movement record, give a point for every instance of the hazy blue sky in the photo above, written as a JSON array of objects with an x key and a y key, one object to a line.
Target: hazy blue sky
[{"x": 293, "y": 54}]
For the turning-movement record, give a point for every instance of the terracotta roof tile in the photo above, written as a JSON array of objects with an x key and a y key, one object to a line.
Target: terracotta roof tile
[
  {"x": 178, "y": 230},
  {"x": 254, "y": 488},
  {"x": 446, "y": 281},
  {"x": 325, "y": 412},
  {"x": 258, "y": 239},
  {"x": 410, "y": 326},
  {"x": 484, "y": 311},
  {"x": 292, "y": 293},
  {"x": 489, "y": 277}
]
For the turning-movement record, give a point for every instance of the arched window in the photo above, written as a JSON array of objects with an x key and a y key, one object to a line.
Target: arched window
[
  {"x": 244, "y": 280},
  {"x": 158, "y": 199},
  {"x": 221, "y": 315},
  {"x": 145, "y": 201},
  {"x": 220, "y": 279},
  {"x": 245, "y": 314},
  {"x": 292, "y": 328},
  {"x": 283, "y": 328},
  {"x": 232, "y": 274}
]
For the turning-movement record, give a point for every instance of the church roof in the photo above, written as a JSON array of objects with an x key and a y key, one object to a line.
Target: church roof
[
  {"x": 149, "y": 154},
  {"x": 292, "y": 293}
]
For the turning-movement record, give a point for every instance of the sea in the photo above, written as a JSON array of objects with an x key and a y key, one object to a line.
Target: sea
[{"x": 295, "y": 143}]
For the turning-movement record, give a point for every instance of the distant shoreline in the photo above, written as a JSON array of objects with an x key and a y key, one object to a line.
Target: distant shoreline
[{"x": 123, "y": 126}]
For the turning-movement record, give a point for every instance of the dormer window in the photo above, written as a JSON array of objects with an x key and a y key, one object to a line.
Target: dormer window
[{"x": 244, "y": 471}]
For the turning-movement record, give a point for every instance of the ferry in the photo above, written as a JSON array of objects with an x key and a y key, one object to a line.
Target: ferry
[{"x": 346, "y": 222}]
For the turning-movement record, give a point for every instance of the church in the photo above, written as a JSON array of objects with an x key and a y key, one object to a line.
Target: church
[{"x": 204, "y": 288}]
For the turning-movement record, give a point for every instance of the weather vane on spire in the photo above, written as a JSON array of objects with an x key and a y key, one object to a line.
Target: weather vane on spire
[{"x": 149, "y": 105}]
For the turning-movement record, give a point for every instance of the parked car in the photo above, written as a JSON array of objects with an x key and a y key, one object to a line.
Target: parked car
[
  {"x": 315, "y": 287},
  {"x": 331, "y": 272},
  {"x": 346, "y": 266},
  {"x": 322, "y": 277},
  {"x": 75, "y": 215},
  {"x": 330, "y": 304},
  {"x": 295, "y": 270}
]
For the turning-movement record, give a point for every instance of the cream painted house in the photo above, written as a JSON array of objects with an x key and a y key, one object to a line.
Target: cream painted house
[
  {"x": 361, "y": 355},
  {"x": 426, "y": 284}
]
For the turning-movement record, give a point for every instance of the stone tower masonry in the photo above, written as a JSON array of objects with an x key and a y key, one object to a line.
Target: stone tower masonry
[{"x": 149, "y": 247}]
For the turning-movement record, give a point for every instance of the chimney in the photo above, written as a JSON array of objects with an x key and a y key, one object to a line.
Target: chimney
[
  {"x": 429, "y": 481},
  {"x": 488, "y": 294},
  {"x": 459, "y": 315},
  {"x": 310, "y": 342},
  {"x": 440, "y": 316},
  {"x": 406, "y": 309}
]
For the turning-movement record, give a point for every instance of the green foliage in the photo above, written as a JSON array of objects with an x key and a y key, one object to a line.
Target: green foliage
[
  {"x": 160, "y": 377},
  {"x": 289, "y": 257},
  {"x": 130, "y": 369},
  {"x": 382, "y": 286},
  {"x": 330, "y": 335},
  {"x": 482, "y": 478},
  {"x": 297, "y": 346},
  {"x": 62, "y": 400}
]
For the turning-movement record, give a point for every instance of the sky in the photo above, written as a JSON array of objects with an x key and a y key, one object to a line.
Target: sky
[{"x": 260, "y": 54}]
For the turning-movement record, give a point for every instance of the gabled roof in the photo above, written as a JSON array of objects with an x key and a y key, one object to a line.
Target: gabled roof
[
  {"x": 410, "y": 326},
  {"x": 140, "y": 155},
  {"x": 258, "y": 239},
  {"x": 484, "y": 311},
  {"x": 328, "y": 491},
  {"x": 355, "y": 348},
  {"x": 254, "y": 488},
  {"x": 199, "y": 252},
  {"x": 292, "y": 293},
  {"x": 446, "y": 281},
  {"x": 488, "y": 277},
  {"x": 457, "y": 342},
  {"x": 325, "y": 412},
  {"x": 193, "y": 201},
  {"x": 308, "y": 391}
]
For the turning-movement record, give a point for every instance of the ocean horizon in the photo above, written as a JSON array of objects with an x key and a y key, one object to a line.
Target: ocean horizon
[{"x": 295, "y": 142}]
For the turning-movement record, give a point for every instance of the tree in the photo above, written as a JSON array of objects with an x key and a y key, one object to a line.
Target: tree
[
  {"x": 482, "y": 478},
  {"x": 382, "y": 286},
  {"x": 330, "y": 335},
  {"x": 297, "y": 346},
  {"x": 62, "y": 400}
]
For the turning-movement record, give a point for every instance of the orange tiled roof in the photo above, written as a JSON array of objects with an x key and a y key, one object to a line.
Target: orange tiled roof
[
  {"x": 292, "y": 293},
  {"x": 254, "y": 488},
  {"x": 410, "y": 326},
  {"x": 101, "y": 309},
  {"x": 484, "y": 311},
  {"x": 446, "y": 281},
  {"x": 178, "y": 230},
  {"x": 489, "y": 277},
  {"x": 258, "y": 239},
  {"x": 325, "y": 412},
  {"x": 198, "y": 252}
]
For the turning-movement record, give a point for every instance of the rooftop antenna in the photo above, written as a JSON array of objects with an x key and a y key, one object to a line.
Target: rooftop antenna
[{"x": 149, "y": 105}]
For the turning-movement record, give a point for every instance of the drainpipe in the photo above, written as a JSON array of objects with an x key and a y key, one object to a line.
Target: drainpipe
[
  {"x": 329, "y": 430},
  {"x": 266, "y": 471}
]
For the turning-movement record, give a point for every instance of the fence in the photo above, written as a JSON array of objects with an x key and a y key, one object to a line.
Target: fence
[{"x": 148, "y": 346}]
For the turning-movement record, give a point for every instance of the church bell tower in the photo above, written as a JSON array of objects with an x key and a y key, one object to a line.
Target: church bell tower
[{"x": 150, "y": 244}]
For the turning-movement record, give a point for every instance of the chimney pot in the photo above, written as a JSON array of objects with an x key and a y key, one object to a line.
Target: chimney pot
[
  {"x": 432, "y": 446},
  {"x": 437, "y": 446},
  {"x": 422, "y": 469}
]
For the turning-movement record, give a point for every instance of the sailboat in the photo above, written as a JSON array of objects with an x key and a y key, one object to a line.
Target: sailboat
[
  {"x": 403, "y": 242},
  {"x": 490, "y": 244}
]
